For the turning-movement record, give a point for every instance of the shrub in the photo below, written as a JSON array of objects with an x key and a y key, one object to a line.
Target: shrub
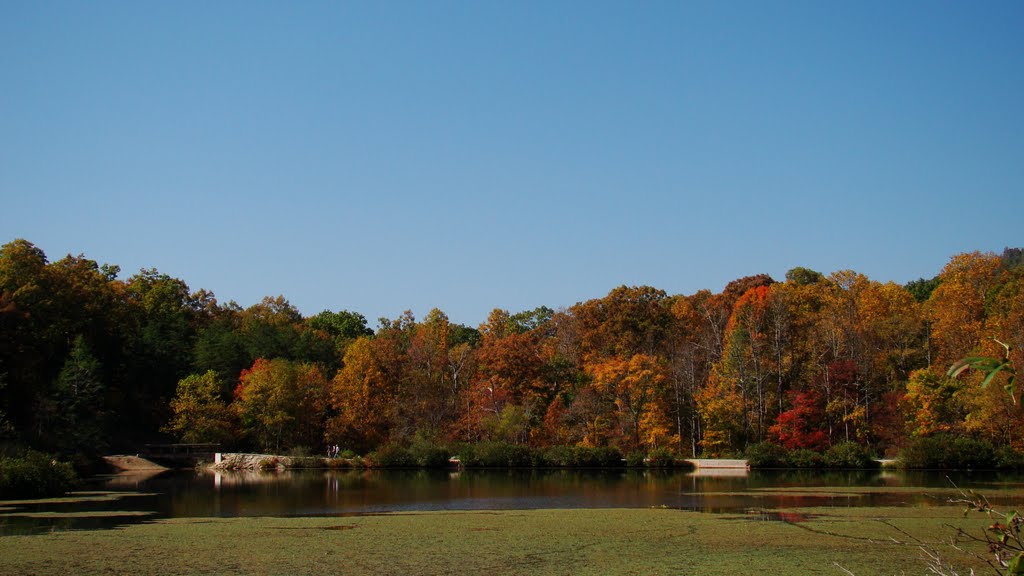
[
  {"x": 927, "y": 452},
  {"x": 428, "y": 456},
  {"x": 556, "y": 456},
  {"x": 495, "y": 455},
  {"x": 338, "y": 463},
  {"x": 848, "y": 455},
  {"x": 34, "y": 475},
  {"x": 660, "y": 458},
  {"x": 973, "y": 454},
  {"x": 635, "y": 459},
  {"x": 765, "y": 455},
  {"x": 391, "y": 456},
  {"x": 945, "y": 452},
  {"x": 1009, "y": 459},
  {"x": 578, "y": 457},
  {"x": 600, "y": 457},
  {"x": 804, "y": 458},
  {"x": 307, "y": 462}
]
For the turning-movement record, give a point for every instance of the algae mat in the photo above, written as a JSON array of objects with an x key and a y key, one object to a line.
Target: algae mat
[{"x": 584, "y": 541}]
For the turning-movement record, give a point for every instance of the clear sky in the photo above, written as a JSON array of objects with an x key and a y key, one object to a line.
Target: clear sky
[{"x": 383, "y": 156}]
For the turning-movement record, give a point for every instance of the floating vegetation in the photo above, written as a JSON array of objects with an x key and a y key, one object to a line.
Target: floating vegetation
[
  {"x": 78, "y": 497},
  {"x": 90, "y": 514},
  {"x": 774, "y": 516}
]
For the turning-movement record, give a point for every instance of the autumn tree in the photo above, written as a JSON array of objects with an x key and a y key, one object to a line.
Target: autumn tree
[
  {"x": 721, "y": 412},
  {"x": 748, "y": 358},
  {"x": 509, "y": 372},
  {"x": 233, "y": 338},
  {"x": 199, "y": 413},
  {"x": 636, "y": 386},
  {"x": 362, "y": 396},
  {"x": 281, "y": 404},
  {"x": 992, "y": 414},
  {"x": 803, "y": 425},
  {"x": 737, "y": 288},
  {"x": 847, "y": 407},
  {"x": 589, "y": 420},
  {"x": 628, "y": 321},
  {"x": 757, "y": 359},
  {"x": 870, "y": 336},
  {"x": 1005, "y": 317},
  {"x": 431, "y": 379},
  {"x": 957, "y": 306},
  {"x": 688, "y": 364}
]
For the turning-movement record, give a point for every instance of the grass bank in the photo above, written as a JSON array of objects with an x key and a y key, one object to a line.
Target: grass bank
[{"x": 603, "y": 541}]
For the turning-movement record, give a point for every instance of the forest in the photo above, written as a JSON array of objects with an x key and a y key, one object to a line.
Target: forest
[{"x": 92, "y": 363}]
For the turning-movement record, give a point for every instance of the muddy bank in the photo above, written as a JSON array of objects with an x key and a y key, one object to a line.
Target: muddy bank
[{"x": 132, "y": 463}]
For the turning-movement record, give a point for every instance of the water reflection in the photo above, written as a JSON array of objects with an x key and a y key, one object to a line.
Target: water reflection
[{"x": 334, "y": 492}]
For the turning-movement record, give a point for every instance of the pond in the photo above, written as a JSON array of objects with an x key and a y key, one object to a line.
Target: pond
[{"x": 111, "y": 501}]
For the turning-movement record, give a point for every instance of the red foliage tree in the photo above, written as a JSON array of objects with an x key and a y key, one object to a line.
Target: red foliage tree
[{"x": 803, "y": 425}]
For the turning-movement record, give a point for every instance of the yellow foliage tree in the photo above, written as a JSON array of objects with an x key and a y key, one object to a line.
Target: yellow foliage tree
[
  {"x": 932, "y": 403},
  {"x": 637, "y": 387},
  {"x": 721, "y": 409},
  {"x": 957, "y": 307}
]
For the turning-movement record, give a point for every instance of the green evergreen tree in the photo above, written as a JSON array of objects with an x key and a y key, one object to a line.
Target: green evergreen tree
[{"x": 78, "y": 397}]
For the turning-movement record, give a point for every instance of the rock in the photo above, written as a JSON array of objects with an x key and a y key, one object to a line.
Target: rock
[{"x": 236, "y": 461}]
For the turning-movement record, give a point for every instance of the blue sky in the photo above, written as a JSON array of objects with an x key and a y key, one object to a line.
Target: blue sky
[{"x": 383, "y": 156}]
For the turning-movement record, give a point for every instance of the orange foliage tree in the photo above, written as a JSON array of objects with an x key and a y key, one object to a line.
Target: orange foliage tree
[
  {"x": 363, "y": 399},
  {"x": 506, "y": 398},
  {"x": 636, "y": 385}
]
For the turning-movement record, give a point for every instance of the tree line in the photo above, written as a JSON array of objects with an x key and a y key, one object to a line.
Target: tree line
[{"x": 91, "y": 362}]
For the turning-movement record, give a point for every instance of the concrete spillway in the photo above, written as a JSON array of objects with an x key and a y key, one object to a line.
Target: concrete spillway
[{"x": 705, "y": 463}]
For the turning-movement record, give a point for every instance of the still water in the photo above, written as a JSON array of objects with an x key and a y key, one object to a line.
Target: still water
[{"x": 111, "y": 501}]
